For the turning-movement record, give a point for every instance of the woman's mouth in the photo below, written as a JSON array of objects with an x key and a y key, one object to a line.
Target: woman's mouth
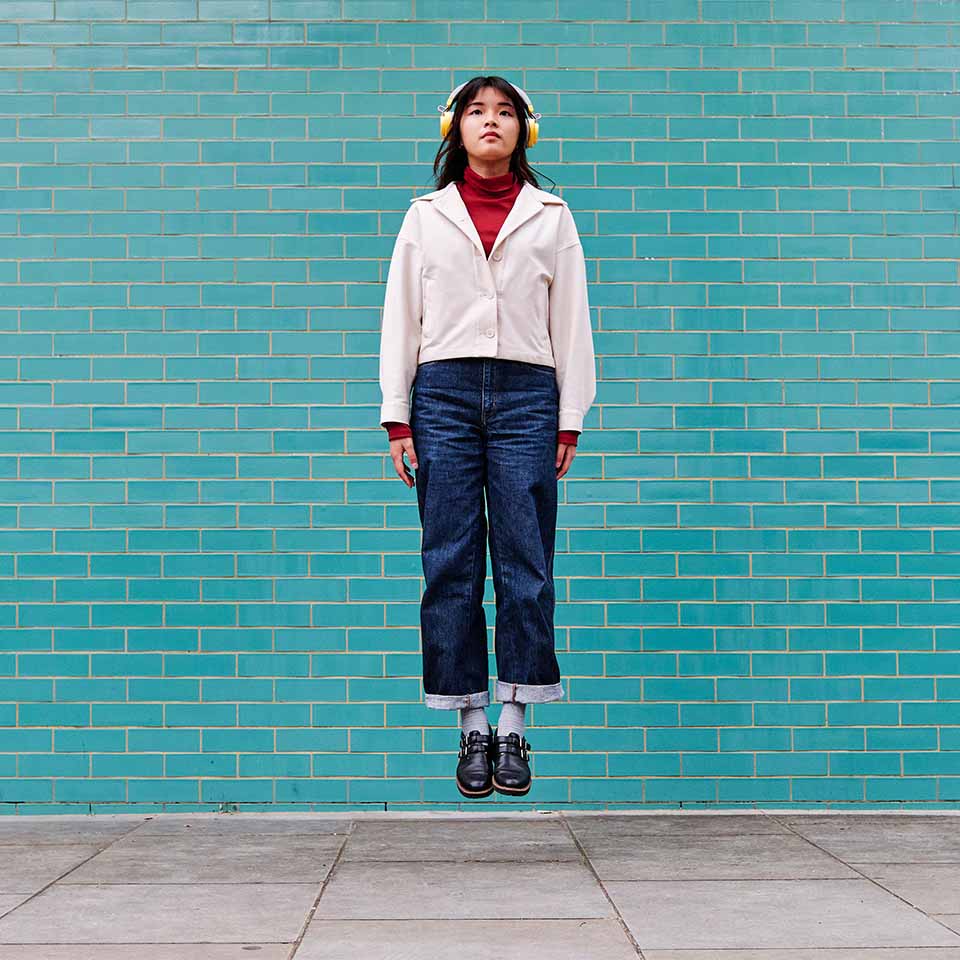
[{"x": 490, "y": 136}]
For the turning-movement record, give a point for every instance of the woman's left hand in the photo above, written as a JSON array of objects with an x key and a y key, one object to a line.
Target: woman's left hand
[{"x": 565, "y": 454}]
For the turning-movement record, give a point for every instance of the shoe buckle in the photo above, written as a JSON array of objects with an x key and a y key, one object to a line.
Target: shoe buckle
[{"x": 473, "y": 744}]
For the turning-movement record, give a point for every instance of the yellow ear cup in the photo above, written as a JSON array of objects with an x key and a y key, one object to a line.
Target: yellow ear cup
[
  {"x": 446, "y": 118},
  {"x": 533, "y": 131}
]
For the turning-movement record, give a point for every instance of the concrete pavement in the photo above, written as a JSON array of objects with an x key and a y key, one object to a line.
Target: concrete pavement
[{"x": 757, "y": 885}]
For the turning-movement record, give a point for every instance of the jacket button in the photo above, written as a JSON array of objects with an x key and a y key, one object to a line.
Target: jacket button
[
  {"x": 498, "y": 256},
  {"x": 490, "y": 333}
]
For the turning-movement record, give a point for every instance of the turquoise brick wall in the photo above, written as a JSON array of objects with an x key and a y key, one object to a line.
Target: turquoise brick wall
[{"x": 210, "y": 574}]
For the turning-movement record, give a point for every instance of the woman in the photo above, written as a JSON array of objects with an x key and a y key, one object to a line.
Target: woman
[{"x": 486, "y": 318}]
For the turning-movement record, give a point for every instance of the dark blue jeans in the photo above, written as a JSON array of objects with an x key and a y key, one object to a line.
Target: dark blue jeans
[{"x": 487, "y": 427}]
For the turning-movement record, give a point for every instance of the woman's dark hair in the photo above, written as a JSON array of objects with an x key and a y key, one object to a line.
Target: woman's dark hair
[{"x": 451, "y": 158}]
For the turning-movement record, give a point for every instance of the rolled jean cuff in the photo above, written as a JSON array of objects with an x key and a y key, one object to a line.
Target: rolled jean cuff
[
  {"x": 528, "y": 692},
  {"x": 442, "y": 701}
]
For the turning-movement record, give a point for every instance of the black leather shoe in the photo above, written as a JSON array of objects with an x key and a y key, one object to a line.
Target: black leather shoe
[
  {"x": 474, "y": 770},
  {"x": 511, "y": 771}
]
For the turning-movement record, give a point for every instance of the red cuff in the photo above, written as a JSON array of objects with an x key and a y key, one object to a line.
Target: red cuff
[{"x": 397, "y": 430}]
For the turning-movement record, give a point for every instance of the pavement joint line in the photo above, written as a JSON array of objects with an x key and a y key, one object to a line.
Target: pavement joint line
[
  {"x": 778, "y": 817},
  {"x": 596, "y": 876},
  {"x": 305, "y": 926},
  {"x": 875, "y": 882},
  {"x": 76, "y": 866}
]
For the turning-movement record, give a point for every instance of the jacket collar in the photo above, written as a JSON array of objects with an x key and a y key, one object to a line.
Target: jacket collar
[{"x": 529, "y": 202}]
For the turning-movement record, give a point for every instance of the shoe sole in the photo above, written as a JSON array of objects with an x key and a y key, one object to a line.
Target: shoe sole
[
  {"x": 474, "y": 793},
  {"x": 512, "y": 791}
]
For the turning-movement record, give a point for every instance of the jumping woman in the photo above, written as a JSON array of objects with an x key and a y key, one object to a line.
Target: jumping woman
[{"x": 486, "y": 319}]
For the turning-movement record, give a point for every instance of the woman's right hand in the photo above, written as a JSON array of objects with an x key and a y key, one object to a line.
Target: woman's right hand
[{"x": 397, "y": 450}]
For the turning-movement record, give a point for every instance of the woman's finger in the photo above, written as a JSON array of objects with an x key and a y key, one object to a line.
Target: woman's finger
[
  {"x": 397, "y": 450},
  {"x": 567, "y": 458},
  {"x": 411, "y": 453}
]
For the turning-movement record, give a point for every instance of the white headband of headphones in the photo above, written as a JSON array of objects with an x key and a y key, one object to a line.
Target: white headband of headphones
[{"x": 453, "y": 95}]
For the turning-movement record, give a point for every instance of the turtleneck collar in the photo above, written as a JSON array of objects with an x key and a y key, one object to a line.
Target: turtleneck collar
[{"x": 499, "y": 186}]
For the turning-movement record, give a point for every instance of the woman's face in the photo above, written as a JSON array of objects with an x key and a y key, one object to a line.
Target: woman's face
[{"x": 489, "y": 112}]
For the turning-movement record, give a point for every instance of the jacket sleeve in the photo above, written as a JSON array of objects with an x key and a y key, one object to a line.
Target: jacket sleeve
[
  {"x": 400, "y": 325},
  {"x": 571, "y": 335}
]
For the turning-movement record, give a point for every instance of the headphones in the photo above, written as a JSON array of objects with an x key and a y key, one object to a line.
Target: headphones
[{"x": 446, "y": 115}]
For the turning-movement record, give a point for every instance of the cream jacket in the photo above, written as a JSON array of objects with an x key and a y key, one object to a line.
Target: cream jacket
[{"x": 528, "y": 301}]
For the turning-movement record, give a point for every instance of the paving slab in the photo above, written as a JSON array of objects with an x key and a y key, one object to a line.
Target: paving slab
[
  {"x": 161, "y": 913},
  {"x": 932, "y": 887},
  {"x": 854, "y": 953},
  {"x": 219, "y": 824},
  {"x": 28, "y": 867},
  {"x": 8, "y": 901},
  {"x": 147, "y": 951},
  {"x": 687, "y": 824},
  {"x": 206, "y": 858},
  {"x": 846, "y": 819},
  {"x": 764, "y": 914},
  {"x": 479, "y": 839},
  {"x": 751, "y": 857},
  {"x": 466, "y": 940},
  {"x": 441, "y": 891},
  {"x": 39, "y": 830},
  {"x": 876, "y": 823},
  {"x": 898, "y": 839}
]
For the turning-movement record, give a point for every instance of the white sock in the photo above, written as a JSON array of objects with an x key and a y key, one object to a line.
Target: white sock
[
  {"x": 474, "y": 718},
  {"x": 511, "y": 719}
]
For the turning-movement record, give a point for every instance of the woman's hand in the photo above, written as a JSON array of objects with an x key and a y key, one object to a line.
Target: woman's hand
[
  {"x": 397, "y": 450},
  {"x": 565, "y": 454}
]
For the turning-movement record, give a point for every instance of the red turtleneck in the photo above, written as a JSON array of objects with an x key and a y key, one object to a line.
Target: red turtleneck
[{"x": 488, "y": 201}]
